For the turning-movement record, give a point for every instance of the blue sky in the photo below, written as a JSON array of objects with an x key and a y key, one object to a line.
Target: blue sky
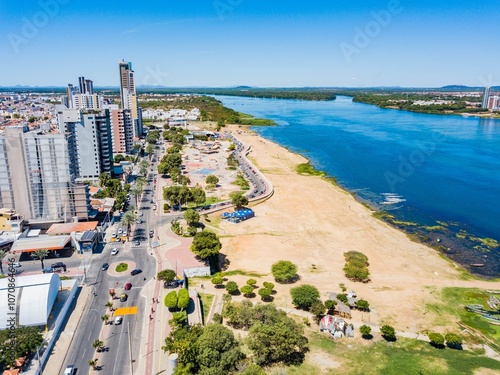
[{"x": 354, "y": 43}]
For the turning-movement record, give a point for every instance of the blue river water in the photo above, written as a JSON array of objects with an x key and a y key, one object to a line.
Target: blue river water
[{"x": 420, "y": 168}]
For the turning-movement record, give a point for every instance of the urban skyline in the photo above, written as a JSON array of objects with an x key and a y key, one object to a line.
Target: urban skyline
[{"x": 230, "y": 43}]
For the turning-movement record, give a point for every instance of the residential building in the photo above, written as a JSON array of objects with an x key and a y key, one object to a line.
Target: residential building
[
  {"x": 88, "y": 133},
  {"x": 494, "y": 103},
  {"x": 83, "y": 96},
  {"x": 122, "y": 125},
  {"x": 128, "y": 96},
  {"x": 36, "y": 178},
  {"x": 486, "y": 97}
]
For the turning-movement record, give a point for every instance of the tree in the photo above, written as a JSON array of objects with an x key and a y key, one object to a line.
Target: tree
[
  {"x": 103, "y": 179},
  {"x": 192, "y": 217},
  {"x": 388, "y": 333},
  {"x": 436, "y": 339},
  {"x": 318, "y": 309},
  {"x": 330, "y": 305},
  {"x": 174, "y": 174},
  {"x": 217, "y": 280},
  {"x": 18, "y": 342},
  {"x": 365, "y": 331},
  {"x": 179, "y": 319},
  {"x": 183, "y": 342},
  {"x": 218, "y": 350},
  {"x": 173, "y": 160},
  {"x": 206, "y": 244},
  {"x": 166, "y": 275},
  {"x": 93, "y": 363},
  {"x": 212, "y": 179},
  {"x": 363, "y": 305},
  {"x": 453, "y": 340},
  {"x": 198, "y": 195},
  {"x": 280, "y": 339},
  {"x": 41, "y": 254},
  {"x": 118, "y": 158},
  {"x": 342, "y": 297},
  {"x": 150, "y": 149},
  {"x": 232, "y": 287},
  {"x": 247, "y": 290},
  {"x": 304, "y": 296},
  {"x": 265, "y": 293},
  {"x": 238, "y": 199},
  {"x": 171, "y": 300},
  {"x": 253, "y": 369},
  {"x": 183, "y": 299},
  {"x": 268, "y": 285},
  {"x": 98, "y": 344},
  {"x": 183, "y": 180},
  {"x": 251, "y": 282},
  {"x": 284, "y": 271},
  {"x": 105, "y": 318},
  {"x": 128, "y": 219}
]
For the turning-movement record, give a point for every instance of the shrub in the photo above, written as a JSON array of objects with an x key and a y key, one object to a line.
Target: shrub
[
  {"x": 361, "y": 304},
  {"x": 365, "y": 331},
  {"x": 166, "y": 275},
  {"x": 183, "y": 299},
  {"x": 268, "y": 285},
  {"x": 342, "y": 297},
  {"x": 122, "y": 267},
  {"x": 217, "y": 318},
  {"x": 284, "y": 271},
  {"x": 247, "y": 290},
  {"x": 217, "y": 280},
  {"x": 318, "y": 309},
  {"x": 304, "y": 296},
  {"x": 265, "y": 293},
  {"x": 166, "y": 207},
  {"x": 356, "y": 266},
  {"x": 251, "y": 282},
  {"x": 232, "y": 287},
  {"x": 330, "y": 305},
  {"x": 388, "y": 333},
  {"x": 171, "y": 300},
  {"x": 436, "y": 339},
  {"x": 453, "y": 340}
]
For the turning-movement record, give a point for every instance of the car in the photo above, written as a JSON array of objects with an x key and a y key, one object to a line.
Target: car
[
  {"x": 123, "y": 297},
  {"x": 127, "y": 286},
  {"x": 172, "y": 284},
  {"x": 139, "y": 221},
  {"x": 137, "y": 243},
  {"x": 118, "y": 320},
  {"x": 152, "y": 201},
  {"x": 16, "y": 265},
  {"x": 113, "y": 235},
  {"x": 105, "y": 266},
  {"x": 141, "y": 213},
  {"x": 136, "y": 272},
  {"x": 58, "y": 265},
  {"x": 120, "y": 231},
  {"x": 70, "y": 370},
  {"x": 114, "y": 251},
  {"x": 48, "y": 270}
]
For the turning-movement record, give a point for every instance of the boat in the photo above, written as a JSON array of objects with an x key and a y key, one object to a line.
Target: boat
[{"x": 477, "y": 264}]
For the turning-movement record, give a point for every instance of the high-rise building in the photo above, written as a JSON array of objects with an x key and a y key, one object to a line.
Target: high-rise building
[
  {"x": 83, "y": 96},
  {"x": 36, "y": 179},
  {"x": 128, "y": 96},
  {"x": 486, "y": 97},
  {"x": 123, "y": 130},
  {"x": 89, "y": 137},
  {"x": 494, "y": 103}
]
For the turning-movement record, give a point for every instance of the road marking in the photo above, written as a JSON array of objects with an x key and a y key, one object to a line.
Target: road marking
[{"x": 126, "y": 310}]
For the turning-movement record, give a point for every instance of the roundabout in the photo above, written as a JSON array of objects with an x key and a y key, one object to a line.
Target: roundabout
[{"x": 125, "y": 265}]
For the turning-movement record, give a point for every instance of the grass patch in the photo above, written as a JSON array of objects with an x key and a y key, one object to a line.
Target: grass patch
[
  {"x": 206, "y": 303},
  {"x": 405, "y": 356},
  {"x": 246, "y": 119},
  {"x": 243, "y": 273},
  {"x": 453, "y": 302},
  {"x": 241, "y": 182},
  {"x": 435, "y": 228},
  {"x": 212, "y": 200},
  {"x": 309, "y": 170},
  {"x": 122, "y": 267}
]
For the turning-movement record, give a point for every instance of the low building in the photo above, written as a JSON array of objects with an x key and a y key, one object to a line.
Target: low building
[
  {"x": 84, "y": 236},
  {"x": 45, "y": 242}
]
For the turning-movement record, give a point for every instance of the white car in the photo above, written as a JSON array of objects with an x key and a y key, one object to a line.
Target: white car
[
  {"x": 16, "y": 265},
  {"x": 120, "y": 231},
  {"x": 141, "y": 213},
  {"x": 118, "y": 320},
  {"x": 114, "y": 251}
]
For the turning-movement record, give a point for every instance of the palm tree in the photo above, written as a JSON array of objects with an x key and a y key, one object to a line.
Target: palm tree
[
  {"x": 143, "y": 167},
  {"x": 98, "y": 345},
  {"x": 93, "y": 363},
  {"x": 105, "y": 318},
  {"x": 2, "y": 254},
  {"x": 41, "y": 254},
  {"x": 128, "y": 219},
  {"x": 136, "y": 191}
]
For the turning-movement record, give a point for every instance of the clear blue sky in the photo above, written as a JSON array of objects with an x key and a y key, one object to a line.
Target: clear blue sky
[{"x": 420, "y": 43}]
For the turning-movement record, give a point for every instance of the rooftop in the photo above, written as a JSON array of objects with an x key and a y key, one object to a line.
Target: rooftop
[{"x": 40, "y": 242}]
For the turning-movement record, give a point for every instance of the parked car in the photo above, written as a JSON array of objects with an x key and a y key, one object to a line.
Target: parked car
[
  {"x": 128, "y": 286},
  {"x": 172, "y": 284},
  {"x": 118, "y": 320},
  {"x": 141, "y": 213},
  {"x": 139, "y": 221},
  {"x": 70, "y": 370},
  {"x": 16, "y": 265},
  {"x": 48, "y": 270},
  {"x": 136, "y": 272},
  {"x": 58, "y": 265},
  {"x": 123, "y": 297},
  {"x": 114, "y": 251},
  {"x": 137, "y": 243},
  {"x": 105, "y": 266}
]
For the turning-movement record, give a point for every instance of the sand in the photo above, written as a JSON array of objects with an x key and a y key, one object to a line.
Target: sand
[{"x": 312, "y": 222}]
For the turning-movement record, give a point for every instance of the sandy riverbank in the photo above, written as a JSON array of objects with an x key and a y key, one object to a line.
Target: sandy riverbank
[{"x": 312, "y": 223}]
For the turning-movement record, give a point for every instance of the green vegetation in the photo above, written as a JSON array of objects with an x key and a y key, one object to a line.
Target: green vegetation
[
  {"x": 122, "y": 267},
  {"x": 246, "y": 119},
  {"x": 247, "y": 290},
  {"x": 166, "y": 275},
  {"x": 206, "y": 245},
  {"x": 171, "y": 300},
  {"x": 26, "y": 341},
  {"x": 405, "y": 356},
  {"x": 232, "y": 287},
  {"x": 356, "y": 266},
  {"x": 284, "y": 271},
  {"x": 206, "y": 302},
  {"x": 241, "y": 182},
  {"x": 182, "y": 299},
  {"x": 388, "y": 332},
  {"x": 304, "y": 296},
  {"x": 365, "y": 331},
  {"x": 436, "y": 339},
  {"x": 308, "y": 169},
  {"x": 238, "y": 200},
  {"x": 452, "y": 308}
]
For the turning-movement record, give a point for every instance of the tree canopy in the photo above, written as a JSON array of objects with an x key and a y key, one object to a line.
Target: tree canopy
[
  {"x": 206, "y": 244},
  {"x": 284, "y": 271},
  {"x": 238, "y": 199},
  {"x": 191, "y": 216},
  {"x": 304, "y": 296},
  {"x": 166, "y": 275}
]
